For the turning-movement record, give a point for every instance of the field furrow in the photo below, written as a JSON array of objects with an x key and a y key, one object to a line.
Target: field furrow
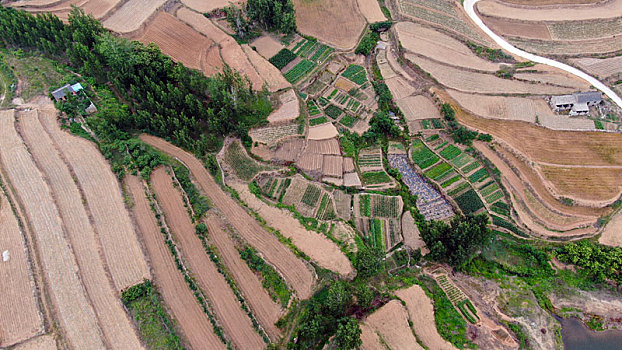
[
  {"x": 102, "y": 193},
  {"x": 20, "y": 318},
  {"x": 42, "y": 342},
  {"x": 114, "y": 322},
  {"x": 75, "y": 315},
  {"x": 237, "y": 325},
  {"x": 266, "y": 310},
  {"x": 295, "y": 272},
  {"x": 182, "y": 304}
]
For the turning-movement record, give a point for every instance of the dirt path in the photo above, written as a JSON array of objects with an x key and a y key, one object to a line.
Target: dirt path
[
  {"x": 266, "y": 310},
  {"x": 111, "y": 315},
  {"x": 237, "y": 325},
  {"x": 104, "y": 201},
  {"x": 42, "y": 342},
  {"x": 421, "y": 313},
  {"x": 391, "y": 322},
  {"x": 76, "y": 318},
  {"x": 183, "y": 306},
  {"x": 20, "y": 317},
  {"x": 296, "y": 273},
  {"x": 319, "y": 248}
]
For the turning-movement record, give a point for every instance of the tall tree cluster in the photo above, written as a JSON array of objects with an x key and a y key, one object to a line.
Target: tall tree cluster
[
  {"x": 165, "y": 98},
  {"x": 273, "y": 15}
]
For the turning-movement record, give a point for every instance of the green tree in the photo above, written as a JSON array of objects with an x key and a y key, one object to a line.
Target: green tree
[
  {"x": 338, "y": 298},
  {"x": 369, "y": 261},
  {"x": 348, "y": 334}
]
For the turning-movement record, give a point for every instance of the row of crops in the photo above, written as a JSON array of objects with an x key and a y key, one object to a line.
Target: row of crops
[
  {"x": 345, "y": 100},
  {"x": 312, "y": 50},
  {"x": 355, "y": 74},
  {"x": 299, "y": 71},
  {"x": 275, "y": 188},
  {"x": 311, "y": 195},
  {"x": 458, "y": 298},
  {"x": 326, "y": 210}
]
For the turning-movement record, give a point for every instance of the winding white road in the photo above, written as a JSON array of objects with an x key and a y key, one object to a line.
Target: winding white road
[{"x": 469, "y": 6}]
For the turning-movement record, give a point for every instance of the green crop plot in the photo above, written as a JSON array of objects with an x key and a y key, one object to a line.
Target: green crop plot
[
  {"x": 423, "y": 156},
  {"x": 469, "y": 202},
  {"x": 494, "y": 197},
  {"x": 317, "y": 121},
  {"x": 282, "y": 58},
  {"x": 311, "y": 196},
  {"x": 438, "y": 171},
  {"x": 479, "y": 175},
  {"x": 299, "y": 71},
  {"x": 376, "y": 177},
  {"x": 450, "y": 152},
  {"x": 333, "y": 111},
  {"x": 467, "y": 169}
]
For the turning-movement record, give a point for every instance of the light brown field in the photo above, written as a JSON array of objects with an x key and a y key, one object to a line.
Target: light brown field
[
  {"x": 264, "y": 308},
  {"x": 344, "y": 84},
  {"x": 370, "y": 338},
  {"x": 322, "y": 132},
  {"x": 267, "y": 46},
  {"x": 21, "y": 318},
  {"x": 370, "y": 9},
  {"x": 416, "y": 108},
  {"x": 234, "y": 56},
  {"x": 76, "y": 317},
  {"x": 421, "y": 312},
  {"x": 551, "y": 2},
  {"x": 399, "y": 87},
  {"x": 289, "y": 150},
  {"x": 503, "y": 26},
  {"x": 205, "y": 6},
  {"x": 330, "y": 146},
  {"x": 271, "y": 75},
  {"x": 102, "y": 193},
  {"x": 562, "y": 122},
  {"x": 114, "y": 322},
  {"x": 99, "y": 8},
  {"x": 202, "y": 24},
  {"x": 411, "y": 233},
  {"x": 501, "y": 107},
  {"x": 271, "y": 134},
  {"x": 132, "y": 15},
  {"x": 603, "y": 68},
  {"x": 293, "y": 270},
  {"x": 338, "y": 24},
  {"x": 289, "y": 108},
  {"x": 479, "y": 82},
  {"x": 595, "y": 184},
  {"x": 236, "y": 324},
  {"x": 391, "y": 322},
  {"x": 42, "y": 3},
  {"x": 612, "y": 234},
  {"x": 42, "y": 342},
  {"x": 608, "y": 9},
  {"x": 319, "y": 248},
  {"x": 332, "y": 166},
  {"x": 547, "y": 77},
  {"x": 61, "y": 9},
  {"x": 579, "y": 47},
  {"x": 192, "y": 321},
  {"x": 176, "y": 39},
  {"x": 440, "y": 47}
]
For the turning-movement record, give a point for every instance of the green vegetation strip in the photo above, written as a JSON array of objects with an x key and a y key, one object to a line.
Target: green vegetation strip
[
  {"x": 438, "y": 170},
  {"x": 376, "y": 177},
  {"x": 467, "y": 169},
  {"x": 298, "y": 71},
  {"x": 365, "y": 205},
  {"x": 317, "y": 121},
  {"x": 450, "y": 152},
  {"x": 270, "y": 279}
]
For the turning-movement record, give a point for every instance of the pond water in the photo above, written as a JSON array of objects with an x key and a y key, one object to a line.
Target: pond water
[{"x": 577, "y": 336}]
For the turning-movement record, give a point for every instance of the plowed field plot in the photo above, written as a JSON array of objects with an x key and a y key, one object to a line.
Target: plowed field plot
[
  {"x": 19, "y": 302},
  {"x": 191, "y": 319},
  {"x": 607, "y": 9},
  {"x": 102, "y": 193},
  {"x": 603, "y": 68},
  {"x": 503, "y": 26},
  {"x": 266, "y": 310},
  {"x": 132, "y": 15},
  {"x": 554, "y": 78},
  {"x": 114, "y": 322},
  {"x": 176, "y": 39},
  {"x": 289, "y": 109},
  {"x": 42, "y": 342},
  {"x": 501, "y": 107},
  {"x": 270, "y": 134},
  {"x": 479, "y": 82},
  {"x": 76, "y": 316},
  {"x": 271, "y": 75},
  {"x": 421, "y": 312},
  {"x": 580, "y": 47},
  {"x": 236, "y": 324},
  {"x": 586, "y": 183},
  {"x": 293, "y": 270},
  {"x": 417, "y": 108},
  {"x": 371, "y": 11},
  {"x": 337, "y": 24},
  {"x": 267, "y": 46},
  {"x": 612, "y": 235},
  {"x": 320, "y": 249},
  {"x": 440, "y": 47},
  {"x": 392, "y": 323},
  {"x": 205, "y": 6}
]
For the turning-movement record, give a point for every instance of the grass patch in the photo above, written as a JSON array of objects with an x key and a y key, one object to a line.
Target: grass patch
[
  {"x": 243, "y": 166},
  {"x": 37, "y": 74},
  {"x": 376, "y": 177}
]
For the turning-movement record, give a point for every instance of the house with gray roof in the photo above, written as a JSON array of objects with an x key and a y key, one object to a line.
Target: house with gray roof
[{"x": 578, "y": 103}]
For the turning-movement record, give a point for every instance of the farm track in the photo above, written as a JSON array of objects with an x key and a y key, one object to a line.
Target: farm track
[
  {"x": 42, "y": 342},
  {"x": 75, "y": 315},
  {"x": 266, "y": 310},
  {"x": 20, "y": 317},
  {"x": 295, "y": 272},
  {"x": 183, "y": 306},
  {"x": 102, "y": 194},
  {"x": 237, "y": 325},
  {"x": 111, "y": 315}
]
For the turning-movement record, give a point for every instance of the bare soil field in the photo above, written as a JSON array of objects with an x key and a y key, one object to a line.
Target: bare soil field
[
  {"x": 416, "y": 108},
  {"x": 440, "y": 47},
  {"x": 132, "y": 15},
  {"x": 553, "y": 78},
  {"x": 421, "y": 313},
  {"x": 202, "y": 24},
  {"x": 102, "y": 193},
  {"x": 289, "y": 150},
  {"x": 271, "y": 134},
  {"x": 293, "y": 270},
  {"x": 205, "y": 6},
  {"x": 501, "y": 107},
  {"x": 603, "y": 68},
  {"x": 330, "y": 146},
  {"x": 76, "y": 317},
  {"x": 399, "y": 87},
  {"x": 19, "y": 303},
  {"x": 338, "y": 24},
  {"x": 113, "y": 320},
  {"x": 370, "y": 338},
  {"x": 504, "y": 26},
  {"x": 612, "y": 234},
  {"x": 391, "y": 322},
  {"x": 607, "y": 9},
  {"x": 479, "y": 82},
  {"x": 322, "y": 132},
  {"x": 547, "y": 146},
  {"x": 176, "y": 39},
  {"x": 236, "y": 324},
  {"x": 264, "y": 308},
  {"x": 289, "y": 108},
  {"x": 332, "y": 166},
  {"x": 234, "y": 56},
  {"x": 42, "y": 342},
  {"x": 271, "y": 75},
  {"x": 370, "y": 9},
  {"x": 267, "y": 46},
  {"x": 551, "y": 2},
  {"x": 319, "y": 248},
  {"x": 411, "y": 233},
  {"x": 99, "y": 8},
  {"x": 592, "y": 184},
  {"x": 41, "y": 3},
  {"x": 572, "y": 48},
  {"x": 193, "y": 324},
  {"x": 562, "y": 122},
  {"x": 61, "y": 9}
]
